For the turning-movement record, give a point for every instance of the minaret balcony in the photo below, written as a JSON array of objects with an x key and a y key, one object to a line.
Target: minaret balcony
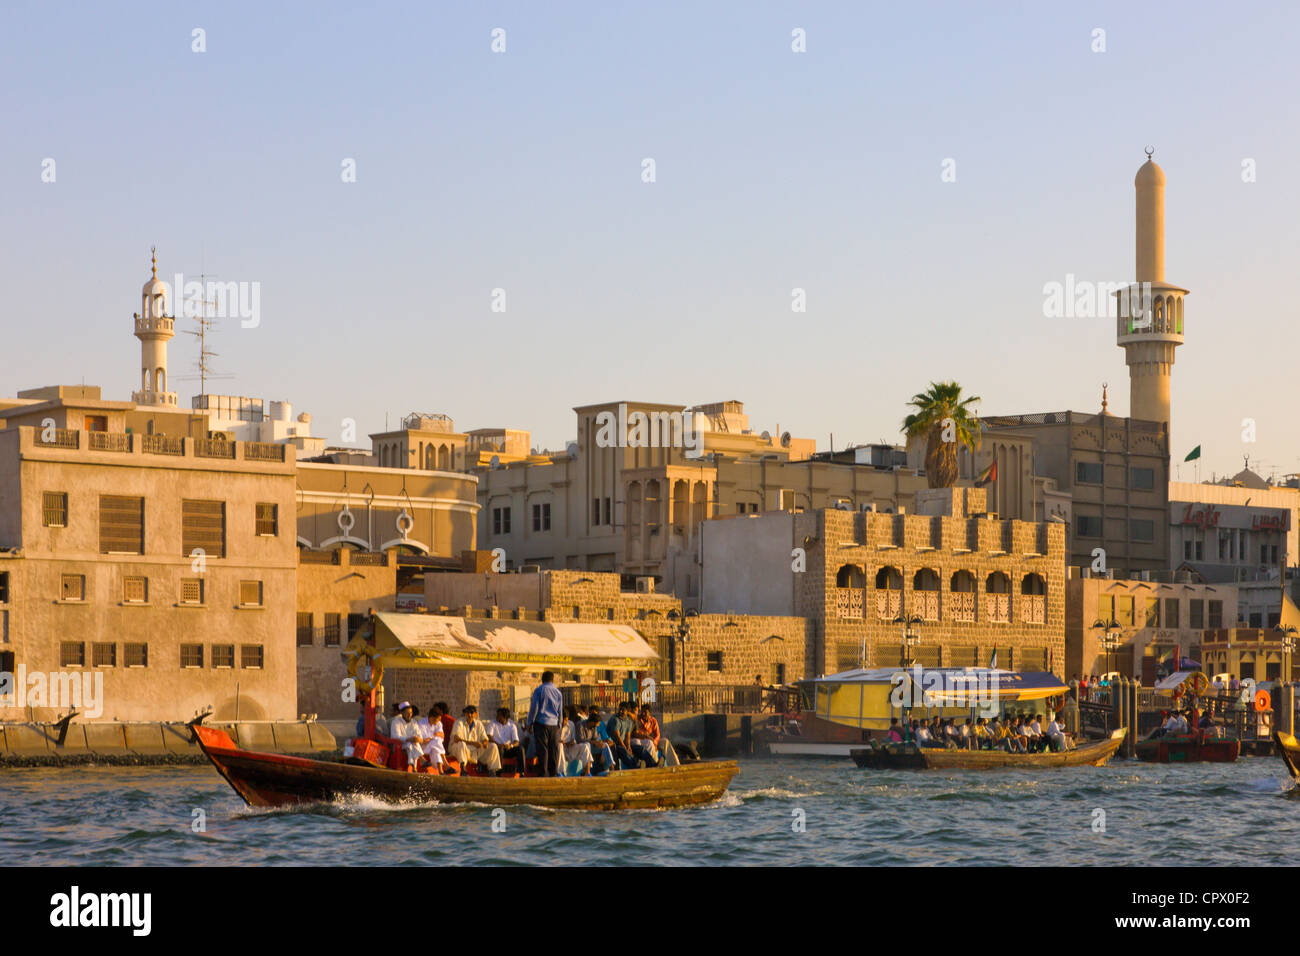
[
  {"x": 157, "y": 325},
  {"x": 152, "y": 397}
]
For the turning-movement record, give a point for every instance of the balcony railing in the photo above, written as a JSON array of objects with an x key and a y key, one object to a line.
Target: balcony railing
[
  {"x": 962, "y": 604},
  {"x": 263, "y": 451},
  {"x": 889, "y": 604},
  {"x": 848, "y": 602},
  {"x": 162, "y": 445},
  {"x": 108, "y": 441},
  {"x": 927, "y": 604},
  {"x": 374, "y": 558},
  {"x": 997, "y": 607},
  {"x": 1034, "y": 608},
  {"x": 213, "y": 448},
  {"x": 59, "y": 438}
]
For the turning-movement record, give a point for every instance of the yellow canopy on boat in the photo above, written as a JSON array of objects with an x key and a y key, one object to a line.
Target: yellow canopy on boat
[{"x": 456, "y": 643}]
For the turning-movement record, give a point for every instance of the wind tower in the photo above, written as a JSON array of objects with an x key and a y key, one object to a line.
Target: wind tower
[
  {"x": 154, "y": 328},
  {"x": 1150, "y": 310}
]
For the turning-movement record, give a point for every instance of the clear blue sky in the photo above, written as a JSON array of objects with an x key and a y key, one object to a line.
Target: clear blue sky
[{"x": 775, "y": 170}]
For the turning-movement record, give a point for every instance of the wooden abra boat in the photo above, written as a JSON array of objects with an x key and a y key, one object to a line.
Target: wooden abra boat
[
  {"x": 1189, "y": 748},
  {"x": 273, "y": 780},
  {"x": 908, "y": 756},
  {"x": 1288, "y": 748},
  {"x": 378, "y": 768}
]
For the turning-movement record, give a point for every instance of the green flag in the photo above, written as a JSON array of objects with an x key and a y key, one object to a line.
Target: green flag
[{"x": 1193, "y": 454}]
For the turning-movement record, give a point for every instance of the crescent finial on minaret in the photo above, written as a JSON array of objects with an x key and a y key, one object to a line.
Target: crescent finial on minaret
[{"x": 1150, "y": 151}]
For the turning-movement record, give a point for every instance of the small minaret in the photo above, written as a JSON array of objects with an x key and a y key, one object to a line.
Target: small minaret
[
  {"x": 1151, "y": 310},
  {"x": 154, "y": 328}
]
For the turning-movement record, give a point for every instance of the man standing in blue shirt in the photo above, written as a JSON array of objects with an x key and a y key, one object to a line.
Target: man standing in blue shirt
[{"x": 544, "y": 721}]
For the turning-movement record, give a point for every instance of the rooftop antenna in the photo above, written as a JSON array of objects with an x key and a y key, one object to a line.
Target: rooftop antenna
[{"x": 203, "y": 325}]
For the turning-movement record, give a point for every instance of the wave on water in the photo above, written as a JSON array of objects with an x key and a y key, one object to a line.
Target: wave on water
[{"x": 772, "y": 793}]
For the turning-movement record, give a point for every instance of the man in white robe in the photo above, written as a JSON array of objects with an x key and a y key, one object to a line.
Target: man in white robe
[
  {"x": 470, "y": 743},
  {"x": 404, "y": 728}
]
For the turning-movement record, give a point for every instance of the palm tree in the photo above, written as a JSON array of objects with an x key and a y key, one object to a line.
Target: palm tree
[{"x": 944, "y": 421}]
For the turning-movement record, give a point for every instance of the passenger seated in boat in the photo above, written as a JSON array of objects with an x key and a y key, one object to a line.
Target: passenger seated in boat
[
  {"x": 968, "y": 734},
  {"x": 573, "y": 742},
  {"x": 894, "y": 736},
  {"x": 470, "y": 743},
  {"x": 601, "y": 752},
  {"x": 1056, "y": 734},
  {"x": 505, "y": 734},
  {"x": 406, "y": 731},
  {"x": 1018, "y": 738},
  {"x": 619, "y": 728},
  {"x": 1037, "y": 742},
  {"x": 923, "y": 736},
  {"x": 645, "y": 737},
  {"x": 951, "y": 736}
]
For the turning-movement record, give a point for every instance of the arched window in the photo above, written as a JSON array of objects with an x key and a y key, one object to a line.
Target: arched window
[
  {"x": 997, "y": 597},
  {"x": 889, "y": 578},
  {"x": 1033, "y": 583},
  {"x": 889, "y": 593},
  {"x": 925, "y": 594},
  {"x": 850, "y": 576},
  {"x": 961, "y": 596}
]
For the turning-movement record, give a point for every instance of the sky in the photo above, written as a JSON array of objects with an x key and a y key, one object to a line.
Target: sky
[{"x": 921, "y": 171}]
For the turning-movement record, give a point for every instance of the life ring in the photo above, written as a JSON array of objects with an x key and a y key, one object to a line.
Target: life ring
[
  {"x": 1262, "y": 701},
  {"x": 374, "y": 669}
]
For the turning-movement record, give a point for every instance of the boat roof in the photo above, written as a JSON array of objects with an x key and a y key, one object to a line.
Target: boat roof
[
  {"x": 1176, "y": 679},
  {"x": 1009, "y": 685},
  {"x": 411, "y": 640}
]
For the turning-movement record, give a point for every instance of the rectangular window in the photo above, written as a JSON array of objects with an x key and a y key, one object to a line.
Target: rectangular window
[
  {"x": 1142, "y": 529},
  {"x": 304, "y": 629},
  {"x": 1196, "y": 619},
  {"x": 4, "y": 587},
  {"x": 1142, "y": 479},
  {"x": 72, "y": 654},
  {"x": 1088, "y": 472},
  {"x": 73, "y": 587},
  {"x": 714, "y": 662},
  {"x": 1151, "y": 612},
  {"x": 546, "y": 516},
  {"x": 267, "y": 519},
  {"x": 505, "y": 520},
  {"x": 355, "y": 623},
  {"x": 121, "y": 525},
  {"x": 250, "y": 656},
  {"x": 609, "y": 514},
  {"x": 1171, "y": 612},
  {"x": 332, "y": 632},
  {"x": 1124, "y": 610},
  {"x": 537, "y": 517},
  {"x": 191, "y": 655},
  {"x": 1216, "y": 614},
  {"x": 1200, "y": 550},
  {"x": 191, "y": 590},
  {"x": 105, "y": 655},
  {"x": 223, "y": 656},
  {"x": 1187, "y": 550},
  {"x": 1106, "y": 607},
  {"x": 1087, "y": 526},
  {"x": 136, "y": 655},
  {"x": 496, "y": 520},
  {"x": 54, "y": 509},
  {"x": 595, "y": 511},
  {"x": 250, "y": 593},
  {"x": 203, "y": 528},
  {"x": 135, "y": 590},
  {"x": 787, "y": 499}
]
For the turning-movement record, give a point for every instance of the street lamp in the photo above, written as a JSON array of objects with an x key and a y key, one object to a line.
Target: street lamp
[
  {"x": 1109, "y": 639},
  {"x": 911, "y": 636},
  {"x": 683, "y": 634},
  {"x": 1287, "y": 638}
]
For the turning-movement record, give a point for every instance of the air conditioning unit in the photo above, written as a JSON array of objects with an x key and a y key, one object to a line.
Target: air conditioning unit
[{"x": 645, "y": 585}]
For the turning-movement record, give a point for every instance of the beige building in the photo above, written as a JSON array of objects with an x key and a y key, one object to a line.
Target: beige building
[
  {"x": 976, "y": 584},
  {"x": 720, "y": 652},
  {"x": 1156, "y": 619},
  {"x": 166, "y": 565}
]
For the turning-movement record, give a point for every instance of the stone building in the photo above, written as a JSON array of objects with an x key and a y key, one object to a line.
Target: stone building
[
  {"x": 720, "y": 652},
  {"x": 974, "y": 584},
  {"x": 165, "y": 564},
  {"x": 1156, "y": 619}
]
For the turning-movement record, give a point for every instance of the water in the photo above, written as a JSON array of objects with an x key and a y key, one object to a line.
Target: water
[{"x": 1198, "y": 814}]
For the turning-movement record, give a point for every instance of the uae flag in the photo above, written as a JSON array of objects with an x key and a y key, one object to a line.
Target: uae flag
[
  {"x": 1194, "y": 454},
  {"x": 988, "y": 475}
]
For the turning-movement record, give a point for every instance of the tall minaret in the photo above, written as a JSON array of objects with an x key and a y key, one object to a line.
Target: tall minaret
[
  {"x": 1151, "y": 310},
  {"x": 154, "y": 328}
]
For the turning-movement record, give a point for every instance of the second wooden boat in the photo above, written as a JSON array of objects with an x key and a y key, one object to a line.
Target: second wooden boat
[{"x": 1095, "y": 754}]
